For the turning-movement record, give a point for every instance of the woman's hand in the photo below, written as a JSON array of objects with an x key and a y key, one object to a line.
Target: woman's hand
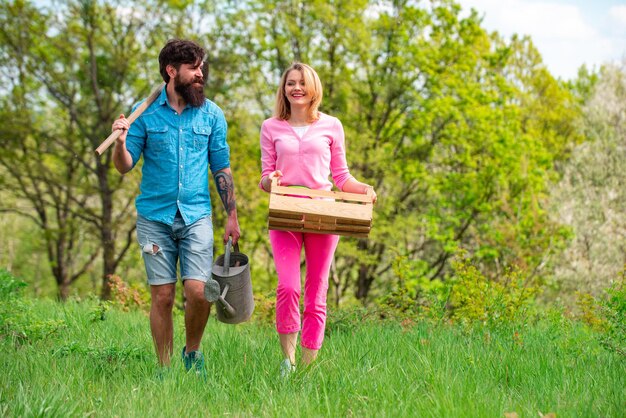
[
  {"x": 369, "y": 190},
  {"x": 354, "y": 186},
  {"x": 267, "y": 181}
]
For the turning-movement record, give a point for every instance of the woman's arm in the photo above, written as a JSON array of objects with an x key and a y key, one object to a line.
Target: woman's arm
[
  {"x": 354, "y": 186},
  {"x": 268, "y": 157}
]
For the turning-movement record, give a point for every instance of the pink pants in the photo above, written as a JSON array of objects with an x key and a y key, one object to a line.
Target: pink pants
[{"x": 318, "y": 255}]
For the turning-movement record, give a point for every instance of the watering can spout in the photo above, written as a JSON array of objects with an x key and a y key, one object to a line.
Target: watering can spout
[{"x": 227, "y": 309}]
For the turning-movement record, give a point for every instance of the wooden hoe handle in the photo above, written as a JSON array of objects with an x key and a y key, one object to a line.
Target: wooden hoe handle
[{"x": 133, "y": 116}]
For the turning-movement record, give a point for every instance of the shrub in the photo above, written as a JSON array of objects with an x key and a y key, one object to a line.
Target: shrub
[
  {"x": 127, "y": 296},
  {"x": 10, "y": 287},
  {"x": 468, "y": 296},
  {"x": 612, "y": 308},
  {"x": 589, "y": 311},
  {"x": 475, "y": 298},
  {"x": 264, "y": 307},
  {"x": 17, "y": 322}
]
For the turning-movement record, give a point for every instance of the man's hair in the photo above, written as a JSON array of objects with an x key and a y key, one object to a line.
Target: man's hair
[{"x": 177, "y": 52}]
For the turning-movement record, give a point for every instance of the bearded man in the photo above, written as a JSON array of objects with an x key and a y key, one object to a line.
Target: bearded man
[{"x": 181, "y": 136}]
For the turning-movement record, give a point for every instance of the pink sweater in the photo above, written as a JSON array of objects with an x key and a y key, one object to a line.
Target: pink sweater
[{"x": 306, "y": 161}]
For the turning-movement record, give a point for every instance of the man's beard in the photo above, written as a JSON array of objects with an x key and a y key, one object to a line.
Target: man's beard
[{"x": 192, "y": 95}]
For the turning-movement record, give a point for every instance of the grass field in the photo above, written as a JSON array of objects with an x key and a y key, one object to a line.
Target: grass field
[{"x": 62, "y": 360}]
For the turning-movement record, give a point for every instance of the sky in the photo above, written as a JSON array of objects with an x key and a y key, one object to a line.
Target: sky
[{"x": 567, "y": 33}]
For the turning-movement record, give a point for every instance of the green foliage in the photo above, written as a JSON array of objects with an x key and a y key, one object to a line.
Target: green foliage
[
  {"x": 588, "y": 307},
  {"x": 51, "y": 404},
  {"x": 590, "y": 198},
  {"x": 347, "y": 321},
  {"x": 613, "y": 310},
  {"x": 367, "y": 365},
  {"x": 10, "y": 287},
  {"x": 127, "y": 296},
  {"x": 264, "y": 308},
  {"x": 459, "y": 130},
  {"x": 17, "y": 321},
  {"x": 106, "y": 355},
  {"x": 474, "y": 298},
  {"x": 99, "y": 310},
  {"x": 467, "y": 297},
  {"x": 606, "y": 315}
]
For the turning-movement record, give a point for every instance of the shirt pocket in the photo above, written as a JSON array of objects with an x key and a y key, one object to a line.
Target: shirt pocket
[
  {"x": 201, "y": 137},
  {"x": 158, "y": 140}
]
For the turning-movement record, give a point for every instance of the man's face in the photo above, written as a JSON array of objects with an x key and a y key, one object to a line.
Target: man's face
[{"x": 189, "y": 83}]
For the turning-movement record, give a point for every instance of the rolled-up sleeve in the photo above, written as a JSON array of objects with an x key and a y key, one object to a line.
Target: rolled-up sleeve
[
  {"x": 136, "y": 138},
  {"x": 268, "y": 153},
  {"x": 338, "y": 163},
  {"x": 219, "y": 151}
]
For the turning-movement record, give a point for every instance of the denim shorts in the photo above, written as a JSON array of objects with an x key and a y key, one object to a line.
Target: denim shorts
[{"x": 163, "y": 246}]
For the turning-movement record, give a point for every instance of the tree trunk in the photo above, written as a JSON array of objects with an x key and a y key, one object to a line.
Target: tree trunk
[
  {"x": 64, "y": 291},
  {"x": 106, "y": 232},
  {"x": 364, "y": 282}
]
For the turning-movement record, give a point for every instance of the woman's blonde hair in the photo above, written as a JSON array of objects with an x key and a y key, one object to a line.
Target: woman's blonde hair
[{"x": 313, "y": 87}]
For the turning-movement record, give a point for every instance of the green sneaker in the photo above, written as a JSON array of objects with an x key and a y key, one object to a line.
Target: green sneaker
[
  {"x": 286, "y": 368},
  {"x": 194, "y": 360},
  {"x": 163, "y": 373}
]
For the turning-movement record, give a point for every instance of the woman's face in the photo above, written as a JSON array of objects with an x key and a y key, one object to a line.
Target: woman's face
[{"x": 295, "y": 89}]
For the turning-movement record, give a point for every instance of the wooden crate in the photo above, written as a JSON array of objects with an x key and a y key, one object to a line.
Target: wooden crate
[{"x": 320, "y": 211}]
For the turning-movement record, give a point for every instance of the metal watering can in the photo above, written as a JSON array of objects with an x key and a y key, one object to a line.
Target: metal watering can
[{"x": 234, "y": 300}]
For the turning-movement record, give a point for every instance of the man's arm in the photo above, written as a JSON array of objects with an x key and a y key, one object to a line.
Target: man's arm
[
  {"x": 226, "y": 189},
  {"x": 121, "y": 157}
]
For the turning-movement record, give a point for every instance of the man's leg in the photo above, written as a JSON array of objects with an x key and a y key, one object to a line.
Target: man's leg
[
  {"x": 160, "y": 255},
  {"x": 196, "y": 262},
  {"x": 196, "y": 313},
  {"x": 161, "y": 323}
]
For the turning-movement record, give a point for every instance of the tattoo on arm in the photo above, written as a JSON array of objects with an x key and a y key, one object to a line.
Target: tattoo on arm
[{"x": 226, "y": 189}]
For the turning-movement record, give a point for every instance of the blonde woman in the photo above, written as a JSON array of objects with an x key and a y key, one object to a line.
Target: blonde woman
[{"x": 301, "y": 146}]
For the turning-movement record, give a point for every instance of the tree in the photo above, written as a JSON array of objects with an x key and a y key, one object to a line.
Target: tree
[
  {"x": 451, "y": 125},
  {"x": 590, "y": 198},
  {"x": 460, "y": 131},
  {"x": 72, "y": 66}
]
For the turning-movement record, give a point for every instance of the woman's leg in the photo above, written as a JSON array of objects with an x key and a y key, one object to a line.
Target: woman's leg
[
  {"x": 286, "y": 248},
  {"x": 319, "y": 252},
  {"x": 288, "y": 344}
]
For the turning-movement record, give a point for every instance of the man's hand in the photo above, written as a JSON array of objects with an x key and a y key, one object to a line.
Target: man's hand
[
  {"x": 232, "y": 229},
  {"x": 121, "y": 157},
  {"x": 123, "y": 125}
]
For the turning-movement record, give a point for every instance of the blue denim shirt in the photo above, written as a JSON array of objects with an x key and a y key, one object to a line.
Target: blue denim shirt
[{"x": 178, "y": 151}]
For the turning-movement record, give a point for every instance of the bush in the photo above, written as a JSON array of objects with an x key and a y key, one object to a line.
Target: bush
[
  {"x": 612, "y": 309},
  {"x": 127, "y": 296},
  {"x": 475, "y": 298},
  {"x": 10, "y": 287},
  {"x": 17, "y": 322},
  {"x": 467, "y": 297}
]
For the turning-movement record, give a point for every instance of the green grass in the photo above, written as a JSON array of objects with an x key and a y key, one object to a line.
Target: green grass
[{"x": 60, "y": 362}]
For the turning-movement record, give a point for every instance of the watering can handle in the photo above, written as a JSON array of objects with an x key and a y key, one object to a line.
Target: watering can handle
[
  {"x": 229, "y": 244},
  {"x": 227, "y": 255}
]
